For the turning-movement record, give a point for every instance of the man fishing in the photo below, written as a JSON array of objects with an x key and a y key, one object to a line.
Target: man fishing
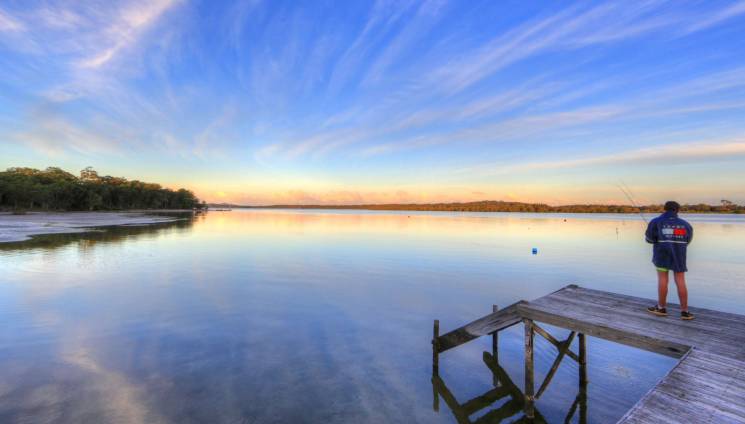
[{"x": 670, "y": 236}]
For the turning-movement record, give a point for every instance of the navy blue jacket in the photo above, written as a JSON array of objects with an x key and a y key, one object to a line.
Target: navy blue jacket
[{"x": 670, "y": 236}]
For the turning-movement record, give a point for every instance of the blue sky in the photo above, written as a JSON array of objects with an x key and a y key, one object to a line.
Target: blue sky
[{"x": 382, "y": 101}]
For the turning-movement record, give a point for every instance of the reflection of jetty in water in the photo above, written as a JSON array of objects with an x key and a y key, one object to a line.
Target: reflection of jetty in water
[
  {"x": 505, "y": 388},
  {"x": 705, "y": 386}
]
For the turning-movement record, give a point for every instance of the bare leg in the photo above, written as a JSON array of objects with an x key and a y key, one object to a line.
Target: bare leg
[
  {"x": 680, "y": 281},
  {"x": 662, "y": 280}
]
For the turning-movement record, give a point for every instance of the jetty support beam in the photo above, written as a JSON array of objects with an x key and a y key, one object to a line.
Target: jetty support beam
[
  {"x": 582, "y": 378},
  {"x": 495, "y": 347},
  {"x": 436, "y": 348},
  {"x": 563, "y": 348},
  {"x": 529, "y": 398},
  {"x": 496, "y": 321},
  {"x": 495, "y": 338}
]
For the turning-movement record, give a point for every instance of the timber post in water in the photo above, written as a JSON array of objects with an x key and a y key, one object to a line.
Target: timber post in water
[
  {"x": 582, "y": 397},
  {"x": 435, "y": 348},
  {"x": 529, "y": 372},
  {"x": 495, "y": 338},
  {"x": 495, "y": 345},
  {"x": 709, "y": 376}
]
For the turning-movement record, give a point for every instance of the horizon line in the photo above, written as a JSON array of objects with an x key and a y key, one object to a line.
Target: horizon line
[{"x": 475, "y": 202}]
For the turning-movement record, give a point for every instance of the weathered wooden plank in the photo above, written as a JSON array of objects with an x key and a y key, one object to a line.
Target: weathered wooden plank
[
  {"x": 702, "y": 323},
  {"x": 712, "y": 336},
  {"x": 620, "y": 308},
  {"x": 648, "y": 324},
  {"x": 605, "y": 331},
  {"x": 640, "y": 412},
  {"x": 495, "y": 321},
  {"x": 706, "y": 386},
  {"x": 707, "y": 389},
  {"x": 639, "y": 303},
  {"x": 662, "y": 408},
  {"x": 689, "y": 394},
  {"x": 690, "y": 333}
]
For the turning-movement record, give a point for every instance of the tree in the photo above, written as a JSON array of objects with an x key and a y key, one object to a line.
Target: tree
[
  {"x": 55, "y": 188},
  {"x": 89, "y": 174}
]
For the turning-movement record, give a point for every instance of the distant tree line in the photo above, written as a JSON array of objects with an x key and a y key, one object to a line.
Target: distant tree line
[
  {"x": 55, "y": 189},
  {"x": 500, "y": 206}
]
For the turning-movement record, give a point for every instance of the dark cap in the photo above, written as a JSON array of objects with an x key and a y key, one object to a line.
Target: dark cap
[{"x": 672, "y": 206}]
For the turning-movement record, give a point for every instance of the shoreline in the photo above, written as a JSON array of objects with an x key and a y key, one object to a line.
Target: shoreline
[
  {"x": 375, "y": 209},
  {"x": 17, "y": 228}
]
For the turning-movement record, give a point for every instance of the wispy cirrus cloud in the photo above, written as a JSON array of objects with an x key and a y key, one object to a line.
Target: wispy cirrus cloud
[
  {"x": 572, "y": 28},
  {"x": 426, "y": 16},
  {"x": 519, "y": 127},
  {"x": 9, "y": 23},
  {"x": 53, "y": 135},
  {"x": 532, "y": 109},
  {"x": 383, "y": 17},
  {"x": 125, "y": 30},
  {"x": 87, "y": 35},
  {"x": 78, "y": 43},
  {"x": 382, "y": 88},
  {"x": 678, "y": 99},
  {"x": 734, "y": 10},
  {"x": 568, "y": 29},
  {"x": 668, "y": 154}
]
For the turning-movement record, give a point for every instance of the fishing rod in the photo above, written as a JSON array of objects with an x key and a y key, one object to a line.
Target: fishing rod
[{"x": 627, "y": 192}]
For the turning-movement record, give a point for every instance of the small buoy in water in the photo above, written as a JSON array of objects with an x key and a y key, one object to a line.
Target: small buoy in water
[{"x": 535, "y": 250}]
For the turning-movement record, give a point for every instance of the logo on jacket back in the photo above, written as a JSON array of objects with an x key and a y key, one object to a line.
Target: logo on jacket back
[{"x": 675, "y": 231}]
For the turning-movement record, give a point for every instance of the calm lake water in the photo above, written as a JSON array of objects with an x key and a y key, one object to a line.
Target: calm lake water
[{"x": 273, "y": 316}]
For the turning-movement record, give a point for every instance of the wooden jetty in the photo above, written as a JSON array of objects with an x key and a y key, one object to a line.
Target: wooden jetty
[{"x": 706, "y": 386}]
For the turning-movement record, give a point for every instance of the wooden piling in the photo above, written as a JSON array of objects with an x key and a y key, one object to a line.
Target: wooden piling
[
  {"x": 529, "y": 398},
  {"x": 582, "y": 360},
  {"x": 495, "y": 348},
  {"x": 435, "y": 350},
  {"x": 495, "y": 338},
  {"x": 710, "y": 347},
  {"x": 582, "y": 378}
]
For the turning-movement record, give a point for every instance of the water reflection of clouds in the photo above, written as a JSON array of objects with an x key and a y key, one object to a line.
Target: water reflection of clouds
[
  {"x": 118, "y": 399},
  {"x": 265, "y": 316}
]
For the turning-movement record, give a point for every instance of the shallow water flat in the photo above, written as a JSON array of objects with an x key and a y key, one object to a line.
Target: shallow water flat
[
  {"x": 20, "y": 227},
  {"x": 319, "y": 316}
]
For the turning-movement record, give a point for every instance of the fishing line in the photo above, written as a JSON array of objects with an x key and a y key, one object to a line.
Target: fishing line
[{"x": 627, "y": 193}]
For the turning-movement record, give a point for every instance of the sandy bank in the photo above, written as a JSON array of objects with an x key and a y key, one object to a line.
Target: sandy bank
[{"x": 22, "y": 227}]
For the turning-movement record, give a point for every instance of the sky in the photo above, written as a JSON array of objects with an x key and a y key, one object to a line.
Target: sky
[{"x": 342, "y": 102}]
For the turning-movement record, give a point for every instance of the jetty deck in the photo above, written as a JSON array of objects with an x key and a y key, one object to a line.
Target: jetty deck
[{"x": 706, "y": 386}]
